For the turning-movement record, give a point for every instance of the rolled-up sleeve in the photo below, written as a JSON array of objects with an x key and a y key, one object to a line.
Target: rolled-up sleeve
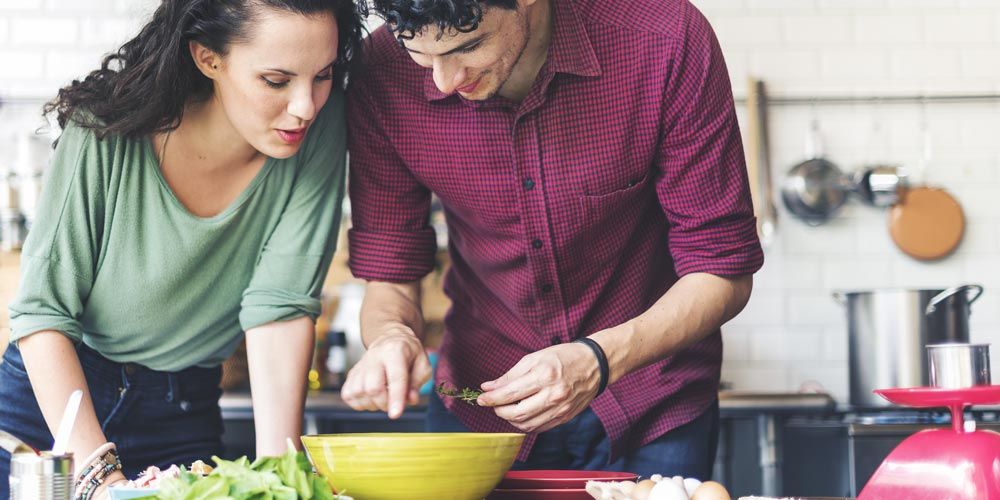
[
  {"x": 702, "y": 180},
  {"x": 59, "y": 256},
  {"x": 289, "y": 275},
  {"x": 391, "y": 238}
]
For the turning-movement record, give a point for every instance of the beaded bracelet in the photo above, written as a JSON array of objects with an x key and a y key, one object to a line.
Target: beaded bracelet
[{"x": 100, "y": 464}]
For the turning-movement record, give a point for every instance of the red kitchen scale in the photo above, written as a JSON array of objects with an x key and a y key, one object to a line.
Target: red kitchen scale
[{"x": 960, "y": 463}]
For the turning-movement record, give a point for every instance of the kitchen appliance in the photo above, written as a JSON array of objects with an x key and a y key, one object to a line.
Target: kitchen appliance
[
  {"x": 887, "y": 332},
  {"x": 960, "y": 463}
]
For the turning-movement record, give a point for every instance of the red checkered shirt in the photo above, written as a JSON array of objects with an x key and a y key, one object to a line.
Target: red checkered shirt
[{"x": 570, "y": 212}]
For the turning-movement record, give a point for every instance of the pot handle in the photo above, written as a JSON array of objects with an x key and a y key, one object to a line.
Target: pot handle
[{"x": 973, "y": 291}]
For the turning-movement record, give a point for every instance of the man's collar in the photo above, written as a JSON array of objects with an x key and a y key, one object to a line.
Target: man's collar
[{"x": 570, "y": 50}]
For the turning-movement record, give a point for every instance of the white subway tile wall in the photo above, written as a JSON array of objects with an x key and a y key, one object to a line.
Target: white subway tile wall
[{"x": 793, "y": 331}]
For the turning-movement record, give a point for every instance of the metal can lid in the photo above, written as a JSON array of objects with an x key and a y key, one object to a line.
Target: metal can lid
[{"x": 46, "y": 464}]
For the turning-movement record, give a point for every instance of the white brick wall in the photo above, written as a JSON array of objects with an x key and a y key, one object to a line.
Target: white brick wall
[{"x": 792, "y": 331}]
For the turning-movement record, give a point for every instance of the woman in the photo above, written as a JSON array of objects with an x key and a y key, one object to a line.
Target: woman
[{"x": 194, "y": 194}]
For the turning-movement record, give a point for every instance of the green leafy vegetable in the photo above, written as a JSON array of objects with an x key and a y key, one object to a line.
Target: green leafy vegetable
[
  {"x": 288, "y": 477},
  {"x": 468, "y": 395}
]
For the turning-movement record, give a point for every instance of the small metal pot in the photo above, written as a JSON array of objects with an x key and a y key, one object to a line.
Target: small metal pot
[
  {"x": 880, "y": 186},
  {"x": 887, "y": 332},
  {"x": 957, "y": 366}
]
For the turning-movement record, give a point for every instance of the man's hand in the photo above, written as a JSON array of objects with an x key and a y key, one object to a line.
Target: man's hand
[
  {"x": 389, "y": 374},
  {"x": 546, "y": 388}
]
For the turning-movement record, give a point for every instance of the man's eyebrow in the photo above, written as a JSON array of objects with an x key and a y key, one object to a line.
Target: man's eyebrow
[{"x": 465, "y": 45}]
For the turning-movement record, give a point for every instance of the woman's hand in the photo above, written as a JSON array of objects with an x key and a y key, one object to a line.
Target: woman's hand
[
  {"x": 546, "y": 388},
  {"x": 114, "y": 479},
  {"x": 389, "y": 375}
]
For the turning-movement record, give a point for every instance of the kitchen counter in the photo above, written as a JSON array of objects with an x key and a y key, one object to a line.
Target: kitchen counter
[
  {"x": 731, "y": 403},
  {"x": 767, "y": 410}
]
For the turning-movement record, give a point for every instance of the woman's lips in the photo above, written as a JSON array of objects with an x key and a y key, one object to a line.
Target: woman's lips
[{"x": 293, "y": 136}]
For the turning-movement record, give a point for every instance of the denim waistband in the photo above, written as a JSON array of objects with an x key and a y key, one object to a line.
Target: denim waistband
[{"x": 138, "y": 375}]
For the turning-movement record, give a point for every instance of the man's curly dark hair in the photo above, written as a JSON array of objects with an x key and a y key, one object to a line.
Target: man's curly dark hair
[{"x": 407, "y": 18}]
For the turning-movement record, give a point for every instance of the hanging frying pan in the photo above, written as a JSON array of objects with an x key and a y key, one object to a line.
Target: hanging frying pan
[
  {"x": 928, "y": 223},
  {"x": 815, "y": 189}
]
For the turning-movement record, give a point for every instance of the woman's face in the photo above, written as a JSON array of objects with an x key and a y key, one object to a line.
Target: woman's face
[{"x": 272, "y": 86}]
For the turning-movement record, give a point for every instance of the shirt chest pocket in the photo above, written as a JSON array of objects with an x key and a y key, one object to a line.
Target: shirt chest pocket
[
  {"x": 618, "y": 171},
  {"x": 625, "y": 196}
]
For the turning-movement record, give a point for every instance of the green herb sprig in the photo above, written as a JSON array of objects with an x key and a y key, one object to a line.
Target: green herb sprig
[{"x": 468, "y": 395}]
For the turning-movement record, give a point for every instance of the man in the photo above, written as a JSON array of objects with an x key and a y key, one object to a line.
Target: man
[{"x": 589, "y": 162}]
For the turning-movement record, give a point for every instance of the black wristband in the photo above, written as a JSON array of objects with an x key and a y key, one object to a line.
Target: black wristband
[{"x": 602, "y": 361}]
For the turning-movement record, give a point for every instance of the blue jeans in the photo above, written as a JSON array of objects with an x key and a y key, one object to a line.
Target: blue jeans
[
  {"x": 581, "y": 444},
  {"x": 155, "y": 418}
]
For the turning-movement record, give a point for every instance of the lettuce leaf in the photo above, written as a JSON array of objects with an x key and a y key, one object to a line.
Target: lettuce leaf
[{"x": 288, "y": 477}]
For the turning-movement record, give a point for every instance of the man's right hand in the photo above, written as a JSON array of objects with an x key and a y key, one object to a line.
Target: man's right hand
[{"x": 389, "y": 375}]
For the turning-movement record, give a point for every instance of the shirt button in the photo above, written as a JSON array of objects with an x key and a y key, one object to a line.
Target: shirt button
[
  {"x": 547, "y": 288},
  {"x": 528, "y": 184},
  {"x": 556, "y": 340},
  {"x": 536, "y": 244}
]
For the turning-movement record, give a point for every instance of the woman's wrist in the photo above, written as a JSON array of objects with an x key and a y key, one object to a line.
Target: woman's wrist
[{"x": 101, "y": 466}]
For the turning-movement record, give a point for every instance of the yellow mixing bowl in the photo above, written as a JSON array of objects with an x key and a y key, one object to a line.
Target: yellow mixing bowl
[{"x": 389, "y": 466}]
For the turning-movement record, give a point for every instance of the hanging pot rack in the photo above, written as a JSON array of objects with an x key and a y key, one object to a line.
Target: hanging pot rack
[{"x": 878, "y": 99}]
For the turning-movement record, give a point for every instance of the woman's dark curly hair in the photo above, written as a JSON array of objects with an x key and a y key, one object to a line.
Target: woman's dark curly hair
[
  {"x": 143, "y": 87},
  {"x": 407, "y": 18}
]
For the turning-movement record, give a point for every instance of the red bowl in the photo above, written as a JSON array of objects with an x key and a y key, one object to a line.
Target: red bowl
[
  {"x": 559, "y": 479},
  {"x": 539, "y": 494}
]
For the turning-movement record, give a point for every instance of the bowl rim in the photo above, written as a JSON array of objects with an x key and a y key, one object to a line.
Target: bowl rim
[
  {"x": 420, "y": 435},
  {"x": 562, "y": 475},
  {"x": 539, "y": 490}
]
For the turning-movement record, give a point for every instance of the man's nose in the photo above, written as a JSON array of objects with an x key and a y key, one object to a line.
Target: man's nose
[{"x": 447, "y": 77}]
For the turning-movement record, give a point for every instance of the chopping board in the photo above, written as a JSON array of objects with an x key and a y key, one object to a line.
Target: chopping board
[{"x": 927, "y": 223}]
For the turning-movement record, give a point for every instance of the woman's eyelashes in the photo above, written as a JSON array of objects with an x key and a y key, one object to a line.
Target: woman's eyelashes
[{"x": 274, "y": 84}]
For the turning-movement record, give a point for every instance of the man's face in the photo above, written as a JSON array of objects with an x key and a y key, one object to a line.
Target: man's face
[{"x": 474, "y": 64}]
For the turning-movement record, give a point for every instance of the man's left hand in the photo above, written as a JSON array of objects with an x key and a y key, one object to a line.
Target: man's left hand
[{"x": 545, "y": 389}]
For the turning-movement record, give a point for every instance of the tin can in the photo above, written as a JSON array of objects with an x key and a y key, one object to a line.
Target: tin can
[{"x": 41, "y": 477}]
